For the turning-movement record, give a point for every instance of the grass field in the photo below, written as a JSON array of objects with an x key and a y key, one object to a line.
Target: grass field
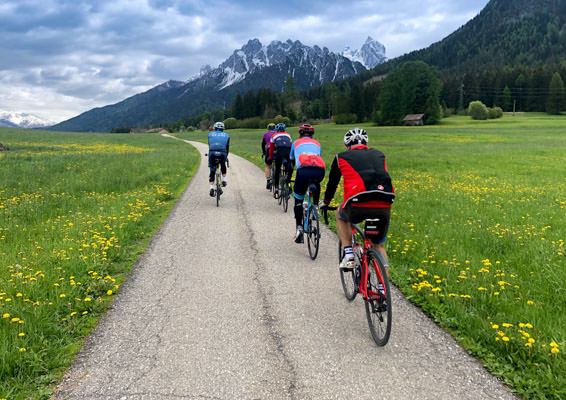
[
  {"x": 76, "y": 210},
  {"x": 477, "y": 237}
]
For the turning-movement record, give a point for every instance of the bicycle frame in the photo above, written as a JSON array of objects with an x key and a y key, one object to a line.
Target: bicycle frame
[
  {"x": 362, "y": 287},
  {"x": 307, "y": 210}
]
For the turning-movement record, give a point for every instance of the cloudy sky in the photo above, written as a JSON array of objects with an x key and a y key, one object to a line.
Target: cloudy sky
[{"x": 59, "y": 58}]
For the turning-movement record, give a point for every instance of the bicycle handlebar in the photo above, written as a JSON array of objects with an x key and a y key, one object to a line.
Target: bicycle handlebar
[{"x": 325, "y": 213}]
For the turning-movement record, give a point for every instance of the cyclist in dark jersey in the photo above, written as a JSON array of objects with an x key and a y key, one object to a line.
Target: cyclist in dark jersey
[
  {"x": 265, "y": 153},
  {"x": 368, "y": 192},
  {"x": 279, "y": 150}
]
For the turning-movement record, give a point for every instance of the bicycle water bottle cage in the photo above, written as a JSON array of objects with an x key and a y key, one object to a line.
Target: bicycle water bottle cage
[{"x": 372, "y": 227}]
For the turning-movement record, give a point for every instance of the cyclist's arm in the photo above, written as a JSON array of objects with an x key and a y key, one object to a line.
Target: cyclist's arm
[
  {"x": 333, "y": 180},
  {"x": 228, "y": 146}
]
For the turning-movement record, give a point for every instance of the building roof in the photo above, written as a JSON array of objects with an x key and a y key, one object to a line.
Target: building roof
[{"x": 413, "y": 117}]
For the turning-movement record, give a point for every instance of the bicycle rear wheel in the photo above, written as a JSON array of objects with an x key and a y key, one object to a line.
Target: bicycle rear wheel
[
  {"x": 313, "y": 233},
  {"x": 378, "y": 304},
  {"x": 218, "y": 189}
]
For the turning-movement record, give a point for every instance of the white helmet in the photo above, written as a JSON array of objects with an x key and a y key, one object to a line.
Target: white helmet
[
  {"x": 355, "y": 135},
  {"x": 219, "y": 126}
]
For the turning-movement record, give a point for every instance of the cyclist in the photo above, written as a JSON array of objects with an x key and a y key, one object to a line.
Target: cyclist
[
  {"x": 368, "y": 192},
  {"x": 279, "y": 149},
  {"x": 265, "y": 152},
  {"x": 218, "y": 149},
  {"x": 306, "y": 155}
]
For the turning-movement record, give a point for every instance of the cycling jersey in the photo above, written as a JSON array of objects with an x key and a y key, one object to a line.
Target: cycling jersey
[
  {"x": 366, "y": 180},
  {"x": 219, "y": 141},
  {"x": 265, "y": 142},
  {"x": 306, "y": 152},
  {"x": 279, "y": 140}
]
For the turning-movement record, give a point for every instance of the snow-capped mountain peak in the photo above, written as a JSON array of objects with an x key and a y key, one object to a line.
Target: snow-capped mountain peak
[
  {"x": 371, "y": 54},
  {"x": 254, "y": 57},
  {"x": 22, "y": 120}
]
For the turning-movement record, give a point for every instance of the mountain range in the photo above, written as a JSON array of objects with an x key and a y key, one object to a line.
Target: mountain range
[
  {"x": 252, "y": 67},
  {"x": 22, "y": 120}
]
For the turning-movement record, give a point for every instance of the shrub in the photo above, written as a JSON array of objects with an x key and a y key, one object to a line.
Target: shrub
[
  {"x": 495, "y": 112},
  {"x": 342, "y": 119},
  {"x": 282, "y": 120},
  {"x": 251, "y": 123},
  {"x": 230, "y": 123},
  {"x": 477, "y": 110}
]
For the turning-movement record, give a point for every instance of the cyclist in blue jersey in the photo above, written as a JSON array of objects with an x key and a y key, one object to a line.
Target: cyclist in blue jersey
[
  {"x": 306, "y": 155},
  {"x": 279, "y": 148},
  {"x": 218, "y": 149}
]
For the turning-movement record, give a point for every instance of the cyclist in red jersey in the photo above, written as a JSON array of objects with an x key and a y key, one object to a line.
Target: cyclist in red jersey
[{"x": 368, "y": 192}]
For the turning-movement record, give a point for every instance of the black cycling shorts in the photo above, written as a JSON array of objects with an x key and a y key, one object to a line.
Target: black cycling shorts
[{"x": 355, "y": 215}]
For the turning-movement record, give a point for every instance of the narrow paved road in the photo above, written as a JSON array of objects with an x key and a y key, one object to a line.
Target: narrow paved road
[{"x": 224, "y": 305}]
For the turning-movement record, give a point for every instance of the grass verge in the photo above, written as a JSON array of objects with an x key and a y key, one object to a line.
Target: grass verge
[{"x": 76, "y": 211}]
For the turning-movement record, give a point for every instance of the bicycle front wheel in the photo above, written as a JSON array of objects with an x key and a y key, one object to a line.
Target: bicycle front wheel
[
  {"x": 349, "y": 278},
  {"x": 313, "y": 233},
  {"x": 378, "y": 303}
]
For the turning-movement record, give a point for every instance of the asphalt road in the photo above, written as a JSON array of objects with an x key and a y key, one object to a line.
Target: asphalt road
[{"x": 224, "y": 305}]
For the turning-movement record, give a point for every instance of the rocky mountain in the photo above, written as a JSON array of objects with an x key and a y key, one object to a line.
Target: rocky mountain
[
  {"x": 22, "y": 120},
  {"x": 252, "y": 67},
  {"x": 371, "y": 54}
]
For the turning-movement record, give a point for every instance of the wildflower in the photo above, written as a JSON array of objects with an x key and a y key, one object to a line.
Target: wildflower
[
  {"x": 530, "y": 302},
  {"x": 554, "y": 350},
  {"x": 109, "y": 293},
  {"x": 5, "y": 315},
  {"x": 505, "y": 338},
  {"x": 21, "y": 334},
  {"x": 22, "y": 350}
]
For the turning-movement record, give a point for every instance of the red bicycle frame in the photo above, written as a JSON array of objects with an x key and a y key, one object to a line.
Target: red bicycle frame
[{"x": 363, "y": 286}]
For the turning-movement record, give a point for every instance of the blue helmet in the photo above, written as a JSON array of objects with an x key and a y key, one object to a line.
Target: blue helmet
[{"x": 280, "y": 127}]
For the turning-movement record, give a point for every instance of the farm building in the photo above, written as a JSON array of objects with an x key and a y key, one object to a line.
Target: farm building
[{"x": 414, "y": 120}]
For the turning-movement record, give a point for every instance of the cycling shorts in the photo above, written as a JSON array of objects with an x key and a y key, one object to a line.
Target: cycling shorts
[
  {"x": 306, "y": 176},
  {"x": 355, "y": 215}
]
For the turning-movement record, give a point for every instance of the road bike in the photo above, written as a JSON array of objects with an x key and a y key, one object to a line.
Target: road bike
[
  {"x": 311, "y": 223},
  {"x": 369, "y": 279},
  {"x": 284, "y": 187},
  {"x": 218, "y": 179}
]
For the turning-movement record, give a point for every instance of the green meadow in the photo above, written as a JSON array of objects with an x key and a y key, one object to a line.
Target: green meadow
[
  {"x": 76, "y": 210},
  {"x": 477, "y": 236}
]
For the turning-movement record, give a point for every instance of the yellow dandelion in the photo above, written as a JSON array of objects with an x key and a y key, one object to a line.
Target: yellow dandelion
[
  {"x": 87, "y": 299},
  {"x": 495, "y": 326},
  {"x": 22, "y": 350},
  {"x": 530, "y": 302},
  {"x": 109, "y": 293},
  {"x": 505, "y": 338},
  {"x": 21, "y": 334},
  {"x": 554, "y": 350},
  {"x": 507, "y": 325},
  {"x": 5, "y": 315}
]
